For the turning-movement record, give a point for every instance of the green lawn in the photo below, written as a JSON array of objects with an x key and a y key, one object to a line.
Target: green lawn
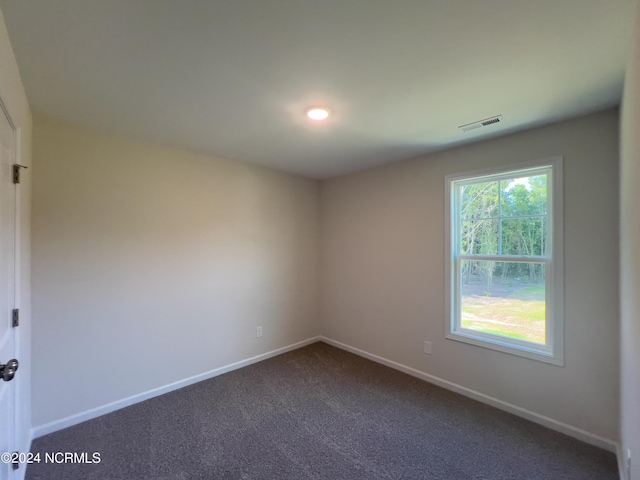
[{"x": 519, "y": 316}]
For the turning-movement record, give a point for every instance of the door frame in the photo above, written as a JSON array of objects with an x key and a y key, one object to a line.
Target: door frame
[{"x": 19, "y": 430}]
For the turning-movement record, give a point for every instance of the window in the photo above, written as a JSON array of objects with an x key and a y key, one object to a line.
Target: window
[{"x": 504, "y": 259}]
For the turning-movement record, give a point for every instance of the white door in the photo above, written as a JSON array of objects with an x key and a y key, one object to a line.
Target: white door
[{"x": 7, "y": 288}]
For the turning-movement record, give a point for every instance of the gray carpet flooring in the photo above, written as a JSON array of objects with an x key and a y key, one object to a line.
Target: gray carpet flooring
[{"x": 318, "y": 413}]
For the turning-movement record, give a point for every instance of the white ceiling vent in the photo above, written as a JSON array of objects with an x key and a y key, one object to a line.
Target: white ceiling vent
[{"x": 481, "y": 123}]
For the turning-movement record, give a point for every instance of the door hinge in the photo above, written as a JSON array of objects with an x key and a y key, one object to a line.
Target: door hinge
[
  {"x": 16, "y": 172},
  {"x": 15, "y": 464},
  {"x": 15, "y": 317}
]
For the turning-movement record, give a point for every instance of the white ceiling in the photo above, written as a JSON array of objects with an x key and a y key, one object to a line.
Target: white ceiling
[{"x": 232, "y": 78}]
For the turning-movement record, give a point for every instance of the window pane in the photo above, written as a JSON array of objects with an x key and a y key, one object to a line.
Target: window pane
[
  {"x": 479, "y": 237},
  {"x": 524, "y": 196},
  {"x": 479, "y": 201},
  {"x": 506, "y": 299},
  {"x": 524, "y": 236}
]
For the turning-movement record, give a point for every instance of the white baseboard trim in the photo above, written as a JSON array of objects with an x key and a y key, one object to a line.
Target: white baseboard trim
[
  {"x": 548, "y": 422},
  {"x": 90, "y": 414}
]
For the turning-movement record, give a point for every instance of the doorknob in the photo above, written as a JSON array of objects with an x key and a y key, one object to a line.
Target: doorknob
[{"x": 8, "y": 371}]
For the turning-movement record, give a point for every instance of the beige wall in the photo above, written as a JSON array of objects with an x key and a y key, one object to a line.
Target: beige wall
[
  {"x": 14, "y": 98},
  {"x": 153, "y": 264},
  {"x": 630, "y": 259},
  {"x": 383, "y": 272}
]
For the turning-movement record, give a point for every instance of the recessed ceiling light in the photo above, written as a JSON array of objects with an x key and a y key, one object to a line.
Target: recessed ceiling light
[{"x": 318, "y": 113}]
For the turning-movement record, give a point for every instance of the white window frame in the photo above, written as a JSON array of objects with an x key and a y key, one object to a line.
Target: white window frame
[{"x": 553, "y": 350}]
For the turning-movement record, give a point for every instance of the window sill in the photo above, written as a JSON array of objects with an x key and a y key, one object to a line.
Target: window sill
[{"x": 526, "y": 351}]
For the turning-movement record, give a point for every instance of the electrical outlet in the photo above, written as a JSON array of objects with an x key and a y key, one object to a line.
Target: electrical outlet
[
  {"x": 427, "y": 348},
  {"x": 258, "y": 332}
]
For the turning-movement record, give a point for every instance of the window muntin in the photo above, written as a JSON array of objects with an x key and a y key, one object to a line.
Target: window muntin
[{"x": 504, "y": 279}]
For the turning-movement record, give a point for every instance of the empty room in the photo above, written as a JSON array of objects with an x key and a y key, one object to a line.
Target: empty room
[{"x": 320, "y": 239}]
